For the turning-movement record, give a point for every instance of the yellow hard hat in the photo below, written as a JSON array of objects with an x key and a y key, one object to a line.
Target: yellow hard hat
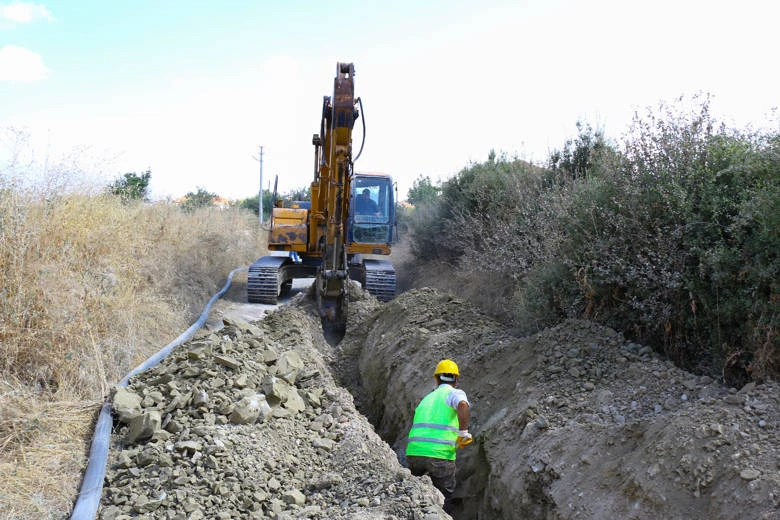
[{"x": 446, "y": 366}]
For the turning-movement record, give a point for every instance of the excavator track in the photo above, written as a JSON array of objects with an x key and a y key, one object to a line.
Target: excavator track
[
  {"x": 380, "y": 279},
  {"x": 262, "y": 283}
]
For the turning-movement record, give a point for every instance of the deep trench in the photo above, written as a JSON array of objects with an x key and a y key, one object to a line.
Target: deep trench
[{"x": 472, "y": 473}]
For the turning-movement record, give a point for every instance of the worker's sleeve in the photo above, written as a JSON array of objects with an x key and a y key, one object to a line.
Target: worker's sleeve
[{"x": 455, "y": 397}]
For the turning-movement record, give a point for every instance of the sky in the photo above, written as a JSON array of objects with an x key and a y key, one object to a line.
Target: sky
[{"x": 191, "y": 89}]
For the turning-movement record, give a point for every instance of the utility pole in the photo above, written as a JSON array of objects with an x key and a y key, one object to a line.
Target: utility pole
[{"x": 260, "y": 196}]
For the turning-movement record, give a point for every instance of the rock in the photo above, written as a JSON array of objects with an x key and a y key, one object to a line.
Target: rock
[
  {"x": 126, "y": 404},
  {"x": 197, "y": 353},
  {"x": 747, "y": 388},
  {"x": 240, "y": 381},
  {"x": 749, "y": 474},
  {"x": 438, "y": 322},
  {"x": 323, "y": 443},
  {"x": 143, "y": 505},
  {"x": 245, "y": 328},
  {"x": 188, "y": 446},
  {"x": 227, "y": 361},
  {"x": 147, "y": 457},
  {"x": 288, "y": 366},
  {"x": 249, "y": 409},
  {"x": 270, "y": 354},
  {"x": 293, "y": 401},
  {"x": 294, "y": 496},
  {"x": 143, "y": 426},
  {"x": 174, "y": 427},
  {"x": 277, "y": 390},
  {"x": 200, "y": 398}
]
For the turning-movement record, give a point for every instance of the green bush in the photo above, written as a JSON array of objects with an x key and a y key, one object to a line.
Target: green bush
[
  {"x": 422, "y": 191},
  {"x": 131, "y": 186},
  {"x": 678, "y": 243},
  {"x": 671, "y": 237},
  {"x": 200, "y": 199}
]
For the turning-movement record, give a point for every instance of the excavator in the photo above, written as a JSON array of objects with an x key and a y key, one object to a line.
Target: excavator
[{"x": 334, "y": 236}]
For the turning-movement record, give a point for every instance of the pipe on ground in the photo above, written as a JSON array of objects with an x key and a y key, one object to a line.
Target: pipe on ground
[{"x": 91, "y": 490}]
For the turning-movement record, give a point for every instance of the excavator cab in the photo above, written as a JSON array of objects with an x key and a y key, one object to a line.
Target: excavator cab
[
  {"x": 372, "y": 214},
  {"x": 370, "y": 232}
]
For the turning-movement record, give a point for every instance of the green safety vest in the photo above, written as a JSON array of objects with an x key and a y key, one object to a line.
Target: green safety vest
[{"x": 435, "y": 427}]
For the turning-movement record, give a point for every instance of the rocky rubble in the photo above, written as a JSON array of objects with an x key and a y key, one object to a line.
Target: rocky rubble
[
  {"x": 246, "y": 422},
  {"x": 574, "y": 422}
]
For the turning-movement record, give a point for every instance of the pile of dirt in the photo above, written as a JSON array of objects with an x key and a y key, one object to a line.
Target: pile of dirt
[
  {"x": 255, "y": 421},
  {"x": 247, "y": 422},
  {"x": 573, "y": 422}
]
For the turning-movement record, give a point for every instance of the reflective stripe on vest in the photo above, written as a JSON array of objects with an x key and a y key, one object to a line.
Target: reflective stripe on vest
[{"x": 435, "y": 427}]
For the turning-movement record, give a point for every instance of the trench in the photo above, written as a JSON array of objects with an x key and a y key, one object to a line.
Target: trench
[
  {"x": 546, "y": 446},
  {"x": 385, "y": 390},
  {"x": 391, "y": 419},
  {"x": 386, "y": 361},
  {"x": 473, "y": 470}
]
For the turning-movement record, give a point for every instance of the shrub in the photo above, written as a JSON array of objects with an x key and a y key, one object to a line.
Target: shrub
[
  {"x": 672, "y": 237},
  {"x": 131, "y": 186},
  {"x": 674, "y": 243}
]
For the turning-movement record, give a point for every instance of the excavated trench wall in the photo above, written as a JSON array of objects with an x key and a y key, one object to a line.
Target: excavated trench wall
[
  {"x": 573, "y": 422},
  {"x": 387, "y": 361}
]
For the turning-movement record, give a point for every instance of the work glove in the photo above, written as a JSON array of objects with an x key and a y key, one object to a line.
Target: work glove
[{"x": 464, "y": 438}]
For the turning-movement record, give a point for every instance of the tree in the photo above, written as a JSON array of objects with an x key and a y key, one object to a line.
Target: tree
[
  {"x": 252, "y": 204},
  {"x": 422, "y": 191},
  {"x": 201, "y": 199},
  {"x": 131, "y": 186}
]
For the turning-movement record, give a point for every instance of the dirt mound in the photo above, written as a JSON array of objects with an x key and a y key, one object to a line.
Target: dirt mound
[
  {"x": 253, "y": 421},
  {"x": 247, "y": 422},
  {"x": 573, "y": 422}
]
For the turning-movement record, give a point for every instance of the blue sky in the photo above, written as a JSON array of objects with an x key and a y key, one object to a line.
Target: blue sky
[{"x": 191, "y": 89}]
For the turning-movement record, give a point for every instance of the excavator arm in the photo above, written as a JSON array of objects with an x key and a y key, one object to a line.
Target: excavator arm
[{"x": 330, "y": 197}]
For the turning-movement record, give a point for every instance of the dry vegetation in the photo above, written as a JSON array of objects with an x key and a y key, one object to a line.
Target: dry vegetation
[{"x": 89, "y": 288}]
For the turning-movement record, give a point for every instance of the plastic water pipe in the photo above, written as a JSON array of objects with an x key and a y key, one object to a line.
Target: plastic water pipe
[{"x": 91, "y": 490}]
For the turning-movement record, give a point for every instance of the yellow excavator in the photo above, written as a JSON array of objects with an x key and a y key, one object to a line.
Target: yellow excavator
[{"x": 332, "y": 237}]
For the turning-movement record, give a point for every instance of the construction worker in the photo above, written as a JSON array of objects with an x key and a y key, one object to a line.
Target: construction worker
[
  {"x": 440, "y": 426},
  {"x": 365, "y": 205}
]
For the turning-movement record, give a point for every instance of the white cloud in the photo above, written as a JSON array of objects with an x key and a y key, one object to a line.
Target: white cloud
[
  {"x": 24, "y": 12},
  {"x": 20, "y": 64}
]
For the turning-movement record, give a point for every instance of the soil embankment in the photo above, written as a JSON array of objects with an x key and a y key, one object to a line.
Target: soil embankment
[
  {"x": 573, "y": 422},
  {"x": 247, "y": 422}
]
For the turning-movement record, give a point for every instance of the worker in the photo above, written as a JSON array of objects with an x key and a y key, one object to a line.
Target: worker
[
  {"x": 440, "y": 426},
  {"x": 365, "y": 205}
]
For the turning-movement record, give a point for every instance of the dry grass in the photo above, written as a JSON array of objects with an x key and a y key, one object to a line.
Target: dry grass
[
  {"x": 89, "y": 288},
  {"x": 43, "y": 453}
]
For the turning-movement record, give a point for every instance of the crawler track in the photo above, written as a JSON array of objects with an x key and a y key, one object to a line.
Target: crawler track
[{"x": 263, "y": 283}]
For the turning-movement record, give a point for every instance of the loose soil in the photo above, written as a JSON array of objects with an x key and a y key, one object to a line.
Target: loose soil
[{"x": 268, "y": 420}]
